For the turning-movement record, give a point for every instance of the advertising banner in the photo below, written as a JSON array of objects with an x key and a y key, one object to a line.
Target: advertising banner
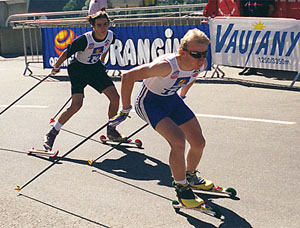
[
  {"x": 267, "y": 43},
  {"x": 133, "y": 45}
]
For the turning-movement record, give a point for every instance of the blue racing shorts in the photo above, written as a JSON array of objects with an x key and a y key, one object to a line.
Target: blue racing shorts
[{"x": 153, "y": 108}]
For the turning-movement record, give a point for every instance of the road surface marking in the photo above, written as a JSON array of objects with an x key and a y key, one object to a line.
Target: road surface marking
[
  {"x": 25, "y": 106},
  {"x": 246, "y": 119}
]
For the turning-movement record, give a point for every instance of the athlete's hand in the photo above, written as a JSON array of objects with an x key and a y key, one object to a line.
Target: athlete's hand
[
  {"x": 122, "y": 115},
  {"x": 54, "y": 71},
  {"x": 182, "y": 97}
]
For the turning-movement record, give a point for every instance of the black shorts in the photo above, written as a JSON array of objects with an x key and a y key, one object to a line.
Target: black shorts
[{"x": 82, "y": 75}]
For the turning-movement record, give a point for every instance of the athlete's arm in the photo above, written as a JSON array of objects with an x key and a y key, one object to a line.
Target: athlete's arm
[
  {"x": 78, "y": 44},
  {"x": 61, "y": 59},
  {"x": 156, "y": 69},
  {"x": 186, "y": 88},
  {"x": 102, "y": 58}
]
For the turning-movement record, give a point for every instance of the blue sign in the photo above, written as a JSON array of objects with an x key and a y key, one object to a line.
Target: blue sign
[{"x": 133, "y": 45}]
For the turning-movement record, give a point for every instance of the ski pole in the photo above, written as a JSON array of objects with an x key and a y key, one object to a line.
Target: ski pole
[
  {"x": 18, "y": 188},
  {"x": 115, "y": 146},
  {"x": 52, "y": 120},
  {"x": 51, "y": 74}
]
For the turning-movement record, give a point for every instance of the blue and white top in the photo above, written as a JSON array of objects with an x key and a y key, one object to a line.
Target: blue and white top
[
  {"x": 166, "y": 86},
  {"x": 93, "y": 51}
]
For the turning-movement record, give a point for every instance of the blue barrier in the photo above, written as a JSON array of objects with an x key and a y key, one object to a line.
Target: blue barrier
[{"x": 133, "y": 45}]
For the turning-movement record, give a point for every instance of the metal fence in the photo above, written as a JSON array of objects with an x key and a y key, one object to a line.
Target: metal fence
[{"x": 189, "y": 14}]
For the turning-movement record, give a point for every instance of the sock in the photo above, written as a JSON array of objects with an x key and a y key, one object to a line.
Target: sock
[
  {"x": 57, "y": 126},
  {"x": 181, "y": 182}
]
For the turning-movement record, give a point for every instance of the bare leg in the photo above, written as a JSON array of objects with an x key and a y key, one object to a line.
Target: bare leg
[
  {"x": 77, "y": 100},
  {"x": 194, "y": 136},
  {"x": 175, "y": 137},
  {"x": 114, "y": 100}
]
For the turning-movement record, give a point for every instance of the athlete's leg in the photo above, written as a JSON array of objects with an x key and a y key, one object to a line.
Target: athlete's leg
[
  {"x": 194, "y": 136},
  {"x": 77, "y": 100},
  {"x": 114, "y": 100},
  {"x": 175, "y": 137},
  {"x": 76, "y": 104}
]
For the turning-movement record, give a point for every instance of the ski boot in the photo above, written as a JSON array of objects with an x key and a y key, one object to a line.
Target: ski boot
[
  {"x": 188, "y": 200},
  {"x": 197, "y": 182},
  {"x": 113, "y": 135},
  {"x": 49, "y": 139},
  {"x": 187, "y": 197}
]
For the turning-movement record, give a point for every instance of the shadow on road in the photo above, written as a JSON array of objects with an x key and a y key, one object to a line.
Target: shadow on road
[
  {"x": 137, "y": 166},
  {"x": 62, "y": 210}
]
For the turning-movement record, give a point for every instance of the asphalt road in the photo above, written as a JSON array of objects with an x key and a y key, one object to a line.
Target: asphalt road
[{"x": 252, "y": 139}]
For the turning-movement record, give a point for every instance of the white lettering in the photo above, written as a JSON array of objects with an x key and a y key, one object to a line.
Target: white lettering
[
  {"x": 143, "y": 51},
  {"x": 156, "y": 50},
  {"x": 115, "y": 53},
  {"x": 129, "y": 53}
]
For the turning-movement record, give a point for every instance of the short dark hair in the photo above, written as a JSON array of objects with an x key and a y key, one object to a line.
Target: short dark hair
[{"x": 99, "y": 14}]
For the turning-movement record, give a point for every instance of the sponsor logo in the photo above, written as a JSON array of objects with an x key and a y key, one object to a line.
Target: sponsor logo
[
  {"x": 175, "y": 75},
  {"x": 62, "y": 39},
  {"x": 91, "y": 46},
  {"x": 98, "y": 50},
  {"x": 195, "y": 73},
  {"x": 181, "y": 81}
]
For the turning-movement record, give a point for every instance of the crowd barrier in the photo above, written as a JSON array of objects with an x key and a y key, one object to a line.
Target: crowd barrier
[
  {"x": 142, "y": 33},
  {"x": 267, "y": 43},
  {"x": 133, "y": 45}
]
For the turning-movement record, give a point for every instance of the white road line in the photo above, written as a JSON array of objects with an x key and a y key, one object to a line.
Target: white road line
[
  {"x": 25, "y": 106},
  {"x": 245, "y": 119}
]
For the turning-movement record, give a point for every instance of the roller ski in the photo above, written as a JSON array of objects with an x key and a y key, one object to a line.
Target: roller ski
[
  {"x": 231, "y": 192},
  {"x": 48, "y": 153},
  {"x": 188, "y": 200},
  {"x": 199, "y": 184},
  {"x": 113, "y": 137},
  {"x": 137, "y": 142}
]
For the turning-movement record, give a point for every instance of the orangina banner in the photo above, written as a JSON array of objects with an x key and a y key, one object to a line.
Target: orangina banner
[{"x": 133, "y": 45}]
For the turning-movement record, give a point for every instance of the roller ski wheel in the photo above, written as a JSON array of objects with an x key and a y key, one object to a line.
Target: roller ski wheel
[
  {"x": 138, "y": 143},
  {"x": 47, "y": 153},
  {"x": 204, "y": 208},
  {"x": 231, "y": 192}
]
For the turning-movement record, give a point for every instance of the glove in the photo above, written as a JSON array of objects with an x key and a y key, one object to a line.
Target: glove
[
  {"x": 122, "y": 115},
  {"x": 54, "y": 71}
]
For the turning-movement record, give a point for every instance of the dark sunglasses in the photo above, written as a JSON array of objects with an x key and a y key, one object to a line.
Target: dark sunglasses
[{"x": 197, "y": 54}]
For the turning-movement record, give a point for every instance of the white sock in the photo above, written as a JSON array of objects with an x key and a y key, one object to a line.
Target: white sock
[
  {"x": 181, "y": 182},
  {"x": 57, "y": 126}
]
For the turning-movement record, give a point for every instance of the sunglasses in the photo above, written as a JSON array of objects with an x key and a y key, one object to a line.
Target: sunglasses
[{"x": 197, "y": 54}]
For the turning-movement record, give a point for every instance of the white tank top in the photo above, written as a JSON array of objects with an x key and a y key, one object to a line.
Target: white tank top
[
  {"x": 94, "y": 49},
  {"x": 166, "y": 86}
]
